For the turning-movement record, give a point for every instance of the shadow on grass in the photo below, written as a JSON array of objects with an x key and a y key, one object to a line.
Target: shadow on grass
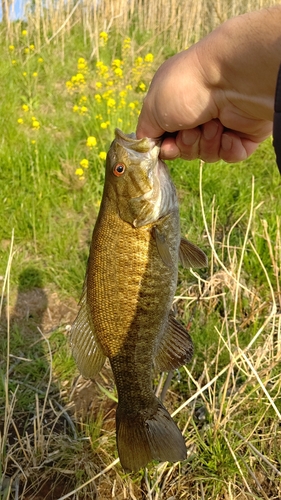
[{"x": 32, "y": 415}]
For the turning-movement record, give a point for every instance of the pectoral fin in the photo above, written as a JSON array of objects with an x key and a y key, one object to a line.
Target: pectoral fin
[
  {"x": 175, "y": 348},
  {"x": 191, "y": 256},
  {"x": 162, "y": 247},
  {"x": 86, "y": 351}
]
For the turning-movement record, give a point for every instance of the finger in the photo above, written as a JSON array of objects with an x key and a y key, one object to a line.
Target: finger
[
  {"x": 187, "y": 142},
  {"x": 235, "y": 148},
  {"x": 147, "y": 125},
  {"x": 183, "y": 145},
  {"x": 210, "y": 141},
  {"x": 169, "y": 149}
]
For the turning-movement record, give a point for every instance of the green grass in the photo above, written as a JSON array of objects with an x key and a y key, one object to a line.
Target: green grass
[{"x": 57, "y": 430}]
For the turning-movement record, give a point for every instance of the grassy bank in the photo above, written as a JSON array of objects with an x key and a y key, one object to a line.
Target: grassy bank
[{"x": 68, "y": 78}]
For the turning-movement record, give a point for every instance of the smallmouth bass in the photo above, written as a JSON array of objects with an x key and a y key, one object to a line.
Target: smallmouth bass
[{"x": 125, "y": 310}]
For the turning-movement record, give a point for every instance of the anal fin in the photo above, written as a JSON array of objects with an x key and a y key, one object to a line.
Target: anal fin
[
  {"x": 86, "y": 351},
  {"x": 175, "y": 347}
]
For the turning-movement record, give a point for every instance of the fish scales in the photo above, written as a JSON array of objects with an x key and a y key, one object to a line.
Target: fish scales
[
  {"x": 121, "y": 282},
  {"x": 129, "y": 288}
]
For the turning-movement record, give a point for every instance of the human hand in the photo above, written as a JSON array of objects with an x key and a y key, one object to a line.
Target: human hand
[{"x": 215, "y": 95}]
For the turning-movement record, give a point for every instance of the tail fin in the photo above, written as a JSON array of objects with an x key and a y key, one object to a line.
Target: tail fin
[{"x": 149, "y": 435}]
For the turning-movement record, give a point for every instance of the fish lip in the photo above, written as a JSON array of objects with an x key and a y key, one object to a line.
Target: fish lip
[{"x": 130, "y": 141}]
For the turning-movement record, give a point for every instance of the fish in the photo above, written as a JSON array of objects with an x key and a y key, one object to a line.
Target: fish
[{"x": 125, "y": 310}]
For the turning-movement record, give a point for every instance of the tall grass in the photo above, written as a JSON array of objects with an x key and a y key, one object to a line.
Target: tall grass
[
  {"x": 175, "y": 24},
  {"x": 62, "y": 96}
]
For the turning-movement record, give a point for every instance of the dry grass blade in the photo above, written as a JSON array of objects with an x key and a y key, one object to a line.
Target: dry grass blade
[
  {"x": 9, "y": 405},
  {"x": 104, "y": 471}
]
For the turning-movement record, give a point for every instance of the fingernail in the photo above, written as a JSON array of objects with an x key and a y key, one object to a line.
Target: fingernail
[
  {"x": 226, "y": 142},
  {"x": 210, "y": 129},
  {"x": 189, "y": 137}
]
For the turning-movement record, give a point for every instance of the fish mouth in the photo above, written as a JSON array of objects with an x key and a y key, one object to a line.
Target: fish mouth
[{"x": 129, "y": 141}]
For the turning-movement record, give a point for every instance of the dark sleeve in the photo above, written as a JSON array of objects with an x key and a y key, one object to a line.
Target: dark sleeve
[{"x": 277, "y": 121}]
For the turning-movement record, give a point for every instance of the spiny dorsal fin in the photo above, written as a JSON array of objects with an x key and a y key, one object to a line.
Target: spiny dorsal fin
[
  {"x": 87, "y": 353},
  {"x": 162, "y": 247},
  {"x": 175, "y": 347},
  {"x": 191, "y": 256}
]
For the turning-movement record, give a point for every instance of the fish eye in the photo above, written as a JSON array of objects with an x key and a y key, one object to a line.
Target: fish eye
[{"x": 119, "y": 169}]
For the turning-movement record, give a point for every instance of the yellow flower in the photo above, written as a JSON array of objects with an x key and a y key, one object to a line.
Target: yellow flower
[
  {"x": 14, "y": 62},
  {"x": 26, "y": 50},
  {"x": 82, "y": 64},
  {"x": 111, "y": 102},
  {"x": 138, "y": 61},
  {"x": 20, "y": 121},
  {"x": 149, "y": 58},
  {"x": 84, "y": 163},
  {"x": 103, "y": 37},
  {"x": 142, "y": 86},
  {"x": 69, "y": 85},
  {"x": 126, "y": 43},
  {"x": 131, "y": 105},
  {"x": 78, "y": 79},
  {"x": 105, "y": 124},
  {"x": 79, "y": 172},
  {"x": 91, "y": 141},
  {"x": 83, "y": 98},
  {"x": 40, "y": 59},
  {"x": 102, "y": 69},
  {"x": 129, "y": 87},
  {"x": 25, "y": 107},
  {"x": 98, "y": 97},
  {"x": 98, "y": 85},
  {"x": 122, "y": 103},
  {"x": 35, "y": 74},
  {"x": 109, "y": 83},
  {"x": 75, "y": 108},
  {"x": 116, "y": 63},
  {"x": 24, "y": 32},
  {"x": 32, "y": 46},
  {"x": 24, "y": 73},
  {"x": 118, "y": 72},
  {"x": 106, "y": 95},
  {"x": 83, "y": 110},
  {"x": 99, "y": 117},
  {"x": 102, "y": 155},
  {"x": 33, "y": 141},
  {"x": 11, "y": 48},
  {"x": 35, "y": 124}
]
